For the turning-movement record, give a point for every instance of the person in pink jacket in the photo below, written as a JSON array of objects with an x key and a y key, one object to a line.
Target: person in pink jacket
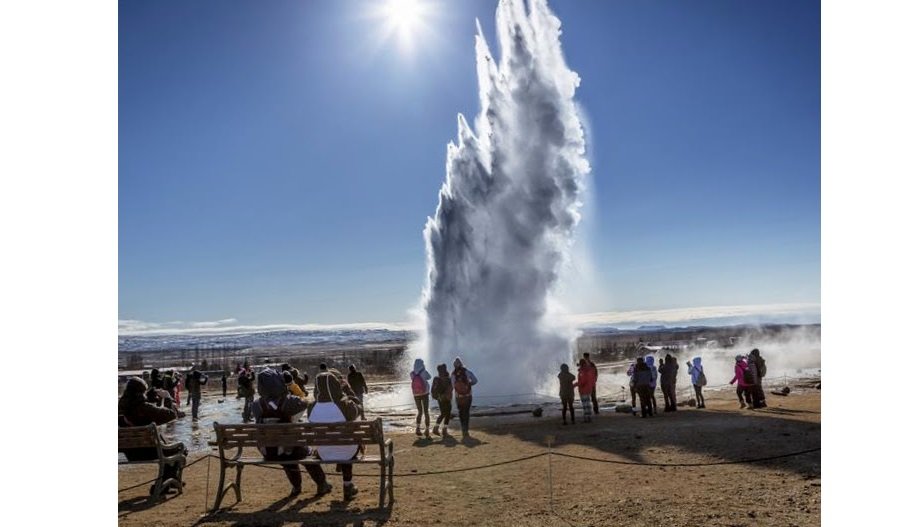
[
  {"x": 587, "y": 379},
  {"x": 742, "y": 379}
]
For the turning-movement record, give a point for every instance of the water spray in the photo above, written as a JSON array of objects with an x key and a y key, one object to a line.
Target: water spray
[{"x": 507, "y": 211}]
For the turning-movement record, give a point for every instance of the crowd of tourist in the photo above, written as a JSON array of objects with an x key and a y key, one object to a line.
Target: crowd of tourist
[
  {"x": 283, "y": 397},
  {"x": 749, "y": 372}
]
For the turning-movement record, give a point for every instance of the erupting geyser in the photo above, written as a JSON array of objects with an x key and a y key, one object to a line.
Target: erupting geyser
[{"x": 507, "y": 211}]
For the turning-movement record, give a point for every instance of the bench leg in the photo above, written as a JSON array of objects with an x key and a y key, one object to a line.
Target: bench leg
[
  {"x": 381, "y": 486},
  {"x": 220, "y": 491},
  {"x": 181, "y": 475},
  {"x": 158, "y": 485},
  {"x": 238, "y": 481},
  {"x": 391, "y": 482}
]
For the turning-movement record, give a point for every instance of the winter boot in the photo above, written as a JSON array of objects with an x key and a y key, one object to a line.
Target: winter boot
[{"x": 349, "y": 491}]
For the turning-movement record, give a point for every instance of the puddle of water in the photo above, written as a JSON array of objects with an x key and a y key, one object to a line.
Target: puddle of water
[{"x": 392, "y": 402}]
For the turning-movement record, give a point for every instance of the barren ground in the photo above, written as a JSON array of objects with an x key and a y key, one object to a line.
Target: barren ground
[{"x": 782, "y": 492}]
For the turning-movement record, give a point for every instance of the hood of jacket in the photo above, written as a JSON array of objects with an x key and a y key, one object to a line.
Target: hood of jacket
[
  {"x": 418, "y": 366},
  {"x": 649, "y": 361}
]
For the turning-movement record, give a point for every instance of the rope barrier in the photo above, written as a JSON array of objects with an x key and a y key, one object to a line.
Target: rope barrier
[
  {"x": 191, "y": 464},
  {"x": 541, "y": 454},
  {"x": 467, "y": 469},
  {"x": 435, "y": 472}
]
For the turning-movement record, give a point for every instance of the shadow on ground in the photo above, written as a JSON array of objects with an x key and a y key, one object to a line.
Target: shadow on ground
[
  {"x": 685, "y": 436},
  {"x": 140, "y": 503},
  {"x": 295, "y": 510}
]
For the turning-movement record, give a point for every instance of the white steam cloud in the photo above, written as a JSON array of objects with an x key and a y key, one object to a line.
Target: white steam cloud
[
  {"x": 508, "y": 210},
  {"x": 790, "y": 354}
]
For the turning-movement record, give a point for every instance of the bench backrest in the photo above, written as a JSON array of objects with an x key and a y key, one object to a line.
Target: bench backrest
[
  {"x": 138, "y": 437},
  {"x": 299, "y": 434}
]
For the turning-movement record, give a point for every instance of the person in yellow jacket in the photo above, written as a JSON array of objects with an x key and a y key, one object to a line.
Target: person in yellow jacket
[{"x": 293, "y": 388}]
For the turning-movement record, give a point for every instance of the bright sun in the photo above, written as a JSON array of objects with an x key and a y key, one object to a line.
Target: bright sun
[
  {"x": 404, "y": 14},
  {"x": 406, "y": 20}
]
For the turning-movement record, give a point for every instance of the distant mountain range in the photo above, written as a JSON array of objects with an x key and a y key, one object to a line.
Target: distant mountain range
[
  {"x": 349, "y": 337},
  {"x": 134, "y": 343}
]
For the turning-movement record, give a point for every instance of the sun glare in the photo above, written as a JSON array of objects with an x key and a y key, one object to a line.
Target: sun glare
[
  {"x": 403, "y": 14},
  {"x": 405, "y": 20}
]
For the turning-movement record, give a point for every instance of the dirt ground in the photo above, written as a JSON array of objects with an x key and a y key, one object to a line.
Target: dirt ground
[{"x": 783, "y": 492}]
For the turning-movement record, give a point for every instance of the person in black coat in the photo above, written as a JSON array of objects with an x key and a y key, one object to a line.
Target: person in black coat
[
  {"x": 757, "y": 367},
  {"x": 356, "y": 381},
  {"x": 669, "y": 382},
  {"x": 567, "y": 392},
  {"x": 642, "y": 377}
]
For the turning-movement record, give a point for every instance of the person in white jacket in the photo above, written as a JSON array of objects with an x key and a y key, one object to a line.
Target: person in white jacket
[{"x": 697, "y": 376}]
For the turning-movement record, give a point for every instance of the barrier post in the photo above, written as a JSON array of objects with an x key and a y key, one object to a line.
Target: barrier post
[
  {"x": 549, "y": 446},
  {"x": 206, "y": 495}
]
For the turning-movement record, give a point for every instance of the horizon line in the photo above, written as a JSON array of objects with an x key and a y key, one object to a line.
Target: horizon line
[{"x": 706, "y": 315}]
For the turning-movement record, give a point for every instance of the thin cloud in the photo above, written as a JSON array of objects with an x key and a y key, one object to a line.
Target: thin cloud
[
  {"x": 710, "y": 316},
  {"x": 214, "y": 324},
  {"x": 713, "y": 315},
  {"x": 229, "y": 326}
]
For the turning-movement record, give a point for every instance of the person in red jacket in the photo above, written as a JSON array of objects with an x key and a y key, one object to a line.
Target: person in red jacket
[
  {"x": 743, "y": 379},
  {"x": 586, "y": 381}
]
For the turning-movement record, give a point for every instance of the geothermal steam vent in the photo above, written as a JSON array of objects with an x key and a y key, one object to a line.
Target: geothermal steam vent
[{"x": 507, "y": 211}]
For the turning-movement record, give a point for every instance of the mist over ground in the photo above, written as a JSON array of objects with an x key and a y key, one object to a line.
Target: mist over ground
[{"x": 793, "y": 352}]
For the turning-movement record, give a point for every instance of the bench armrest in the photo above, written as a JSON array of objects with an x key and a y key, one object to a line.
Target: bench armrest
[{"x": 173, "y": 457}]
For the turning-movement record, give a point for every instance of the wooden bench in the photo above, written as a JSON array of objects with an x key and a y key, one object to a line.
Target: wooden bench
[
  {"x": 232, "y": 439},
  {"x": 148, "y": 437}
]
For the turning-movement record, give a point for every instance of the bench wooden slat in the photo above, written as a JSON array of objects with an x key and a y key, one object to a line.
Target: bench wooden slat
[
  {"x": 137, "y": 437},
  {"x": 305, "y": 461},
  {"x": 233, "y": 439}
]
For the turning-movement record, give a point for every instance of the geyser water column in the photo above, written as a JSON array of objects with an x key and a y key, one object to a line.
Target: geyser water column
[{"x": 507, "y": 212}]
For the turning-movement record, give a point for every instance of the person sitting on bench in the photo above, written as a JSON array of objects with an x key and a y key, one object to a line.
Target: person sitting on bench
[
  {"x": 276, "y": 405},
  {"x": 335, "y": 402},
  {"x": 134, "y": 410}
]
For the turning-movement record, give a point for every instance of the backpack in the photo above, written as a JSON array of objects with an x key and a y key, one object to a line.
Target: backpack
[
  {"x": 270, "y": 384},
  {"x": 441, "y": 389},
  {"x": 761, "y": 367},
  {"x": 748, "y": 376},
  {"x": 461, "y": 382},
  {"x": 418, "y": 384},
  {"x": 702, "y": 380}
]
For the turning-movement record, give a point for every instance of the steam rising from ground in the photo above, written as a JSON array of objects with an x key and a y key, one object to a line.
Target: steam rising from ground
[
  {"x": 507, "y": 211},
  {"x": 793, "y": 353}
]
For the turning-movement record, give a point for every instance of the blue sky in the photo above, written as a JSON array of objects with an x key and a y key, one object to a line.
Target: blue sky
[{"x": 278, "y": 160}]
